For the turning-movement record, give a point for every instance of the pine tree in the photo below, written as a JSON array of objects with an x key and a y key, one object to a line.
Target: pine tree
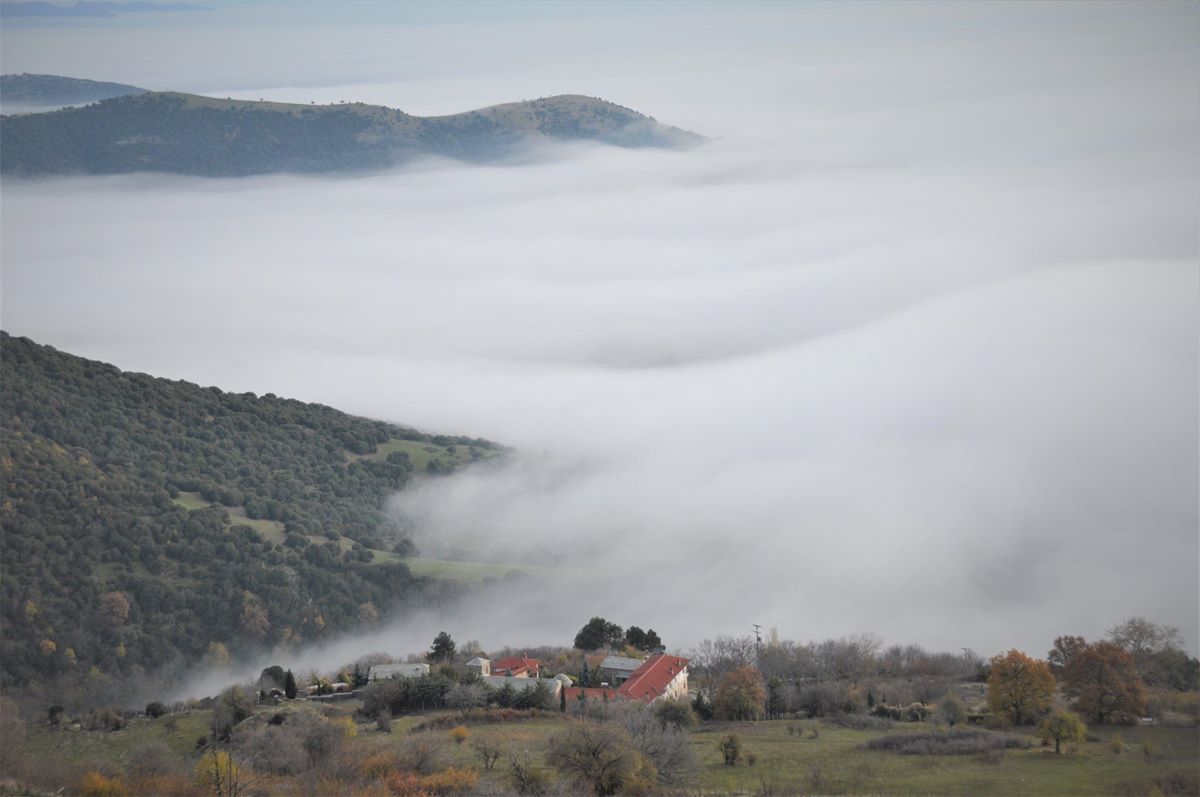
[{"x": 289, "y": 685}]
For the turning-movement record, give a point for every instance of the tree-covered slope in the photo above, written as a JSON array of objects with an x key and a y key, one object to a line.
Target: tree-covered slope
[
  {"x": 188, "y": 134},
  {"x": 49, "y": 90},
  {"x": 149, "y": 523}
]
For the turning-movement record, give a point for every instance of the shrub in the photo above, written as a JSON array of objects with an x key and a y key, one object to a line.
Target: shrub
[
  {"x": 1063, "y": 726},
  {"x": 731, "y": 749},
  {"x": 450, "y": 781},
  {"x": 962, "y": 742},
  {"x": 860, "y": 722},
  {"x": 459, "y": 734},
  {"x": 1117, "y": 744},
  {"x": 676, "y": 712},
  {"x": 482, "y": 716},
  {"x": 153, "y": 758},
  {"x": 951, "y": 711},
  {"x": 217, "y": 770},
  {"x": 376, "y": 766},
  {"x": 155, "y": 710},
  {"x": 489, "y": 752},
  {"x": 164, "y": 786},
  {"x": 405, "y": 784},
  {"x": 94, "y": 784},
  {"x": 421, "y": 754},
  {"x": 751, "y": 759},
  {"x": 523, "y": 776},
  {"x": 383, "y": 720}
]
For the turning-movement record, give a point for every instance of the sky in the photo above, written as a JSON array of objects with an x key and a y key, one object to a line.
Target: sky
[{"x": 909, "y": 348}]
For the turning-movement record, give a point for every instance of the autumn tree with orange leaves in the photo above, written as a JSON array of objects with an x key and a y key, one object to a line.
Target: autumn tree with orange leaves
[{"x": 1019, "y": 688}]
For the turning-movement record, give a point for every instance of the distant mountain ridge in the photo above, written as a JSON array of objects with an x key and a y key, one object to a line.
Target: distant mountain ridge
[
  {"x": 195, "y": 135},
  {"x": 54, "y": 90}
]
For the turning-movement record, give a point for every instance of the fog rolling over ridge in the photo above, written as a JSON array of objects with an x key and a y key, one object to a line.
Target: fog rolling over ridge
[{"x": 923, "y": 365}]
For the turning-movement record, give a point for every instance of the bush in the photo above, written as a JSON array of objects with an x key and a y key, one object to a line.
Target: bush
[
  {"x": 405, "y": 784},
  {"x": 155, "y": 710},
  {"x": 731, "y": 749},
  {"x": 1117, "y": 745},
  {"x": 963, "y": 742},
  {"x": 450, "y": 781},
  {"x": 153, "y": 758},
  {"x": 94, "y": 784},
  {"x": 459, "y": 734},
  {"x": 482, "y": 716},
  {"x": 523, "y": 776},
  {"x": 860, "y": 722},
  {"x": 1063, "y": 726},
  {"x": 421, "y": 754},
  {"x": 951, "y": 711},
  {"x": 678, "y": 713},
  {"x": 377, "y": 766},
  {"x": 489, "y": 752},
  {"x": 106, "y": 719}
]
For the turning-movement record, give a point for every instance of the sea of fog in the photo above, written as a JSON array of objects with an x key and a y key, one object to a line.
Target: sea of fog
[{"x": 909, "y": 348}]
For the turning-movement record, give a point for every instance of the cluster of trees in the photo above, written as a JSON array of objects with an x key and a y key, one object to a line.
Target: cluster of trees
[
  {"x": 1106, "y": 680},
  {"x": 743, "y": 678},
  {"x": 109, "y": 573},
  {"x": 599, "y": 633},
  {"x": 855, "y": 659}
]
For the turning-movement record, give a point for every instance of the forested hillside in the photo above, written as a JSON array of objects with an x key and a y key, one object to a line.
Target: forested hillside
[
  {"x": 190, "y": 134},
  {"x": 150, "y": 523}
]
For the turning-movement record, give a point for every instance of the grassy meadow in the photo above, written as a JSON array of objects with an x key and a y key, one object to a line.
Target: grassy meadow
[{"x": 790, "y": 756}]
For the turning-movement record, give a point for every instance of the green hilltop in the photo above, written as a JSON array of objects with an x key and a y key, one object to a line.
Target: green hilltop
[
  {"x": 148, "y": 523},
  {"x": 194, "y": 135}
]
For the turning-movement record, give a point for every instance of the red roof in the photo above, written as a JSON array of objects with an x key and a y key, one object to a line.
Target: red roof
[
  {"x": 515, "y": 665},
  {"x": 650, "y": 681}
]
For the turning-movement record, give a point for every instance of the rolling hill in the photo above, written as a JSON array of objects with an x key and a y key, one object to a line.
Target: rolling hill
[
  {"x": 194, "y": 135},
  {"x": 31, "y": 91},
  {"x": 148, "y": 523}
]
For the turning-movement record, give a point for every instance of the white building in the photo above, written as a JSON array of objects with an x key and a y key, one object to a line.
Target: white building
[{"x": 382, "y": 672}]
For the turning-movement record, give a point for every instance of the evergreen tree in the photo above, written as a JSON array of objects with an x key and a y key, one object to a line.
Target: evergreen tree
[{"x": 289, "y": 685}]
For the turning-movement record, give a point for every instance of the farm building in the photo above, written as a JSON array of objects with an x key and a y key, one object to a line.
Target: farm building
[
  {"x": 381, "y": 672},
  {"x": 657, "y": 678}
]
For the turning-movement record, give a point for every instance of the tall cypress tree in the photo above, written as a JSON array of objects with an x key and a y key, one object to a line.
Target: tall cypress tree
[{"x": 289, "y": 685}]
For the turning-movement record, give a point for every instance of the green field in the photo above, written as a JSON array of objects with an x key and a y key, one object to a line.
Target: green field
[
  {"x": 421, "y": 454},
  {"x": 466, "y": 572},
  {"x": 835, "y": 762}
]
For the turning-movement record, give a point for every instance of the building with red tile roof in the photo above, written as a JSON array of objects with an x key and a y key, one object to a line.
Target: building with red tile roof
[
  {"x": 592, "y": 693},
  {"x": 516, "y": 667},
  {"x": 660, "y": 676}
]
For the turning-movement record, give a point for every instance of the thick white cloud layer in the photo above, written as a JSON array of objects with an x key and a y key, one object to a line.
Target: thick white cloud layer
[{"x": 911, "y": 349}]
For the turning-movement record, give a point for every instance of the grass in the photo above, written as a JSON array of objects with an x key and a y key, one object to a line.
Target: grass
[
  {"x": 190, "y": 501},
  {"x": 420, "y": 454},
  {"x": 836, "y": 762},
  {"x": 83, "y": 747}
]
